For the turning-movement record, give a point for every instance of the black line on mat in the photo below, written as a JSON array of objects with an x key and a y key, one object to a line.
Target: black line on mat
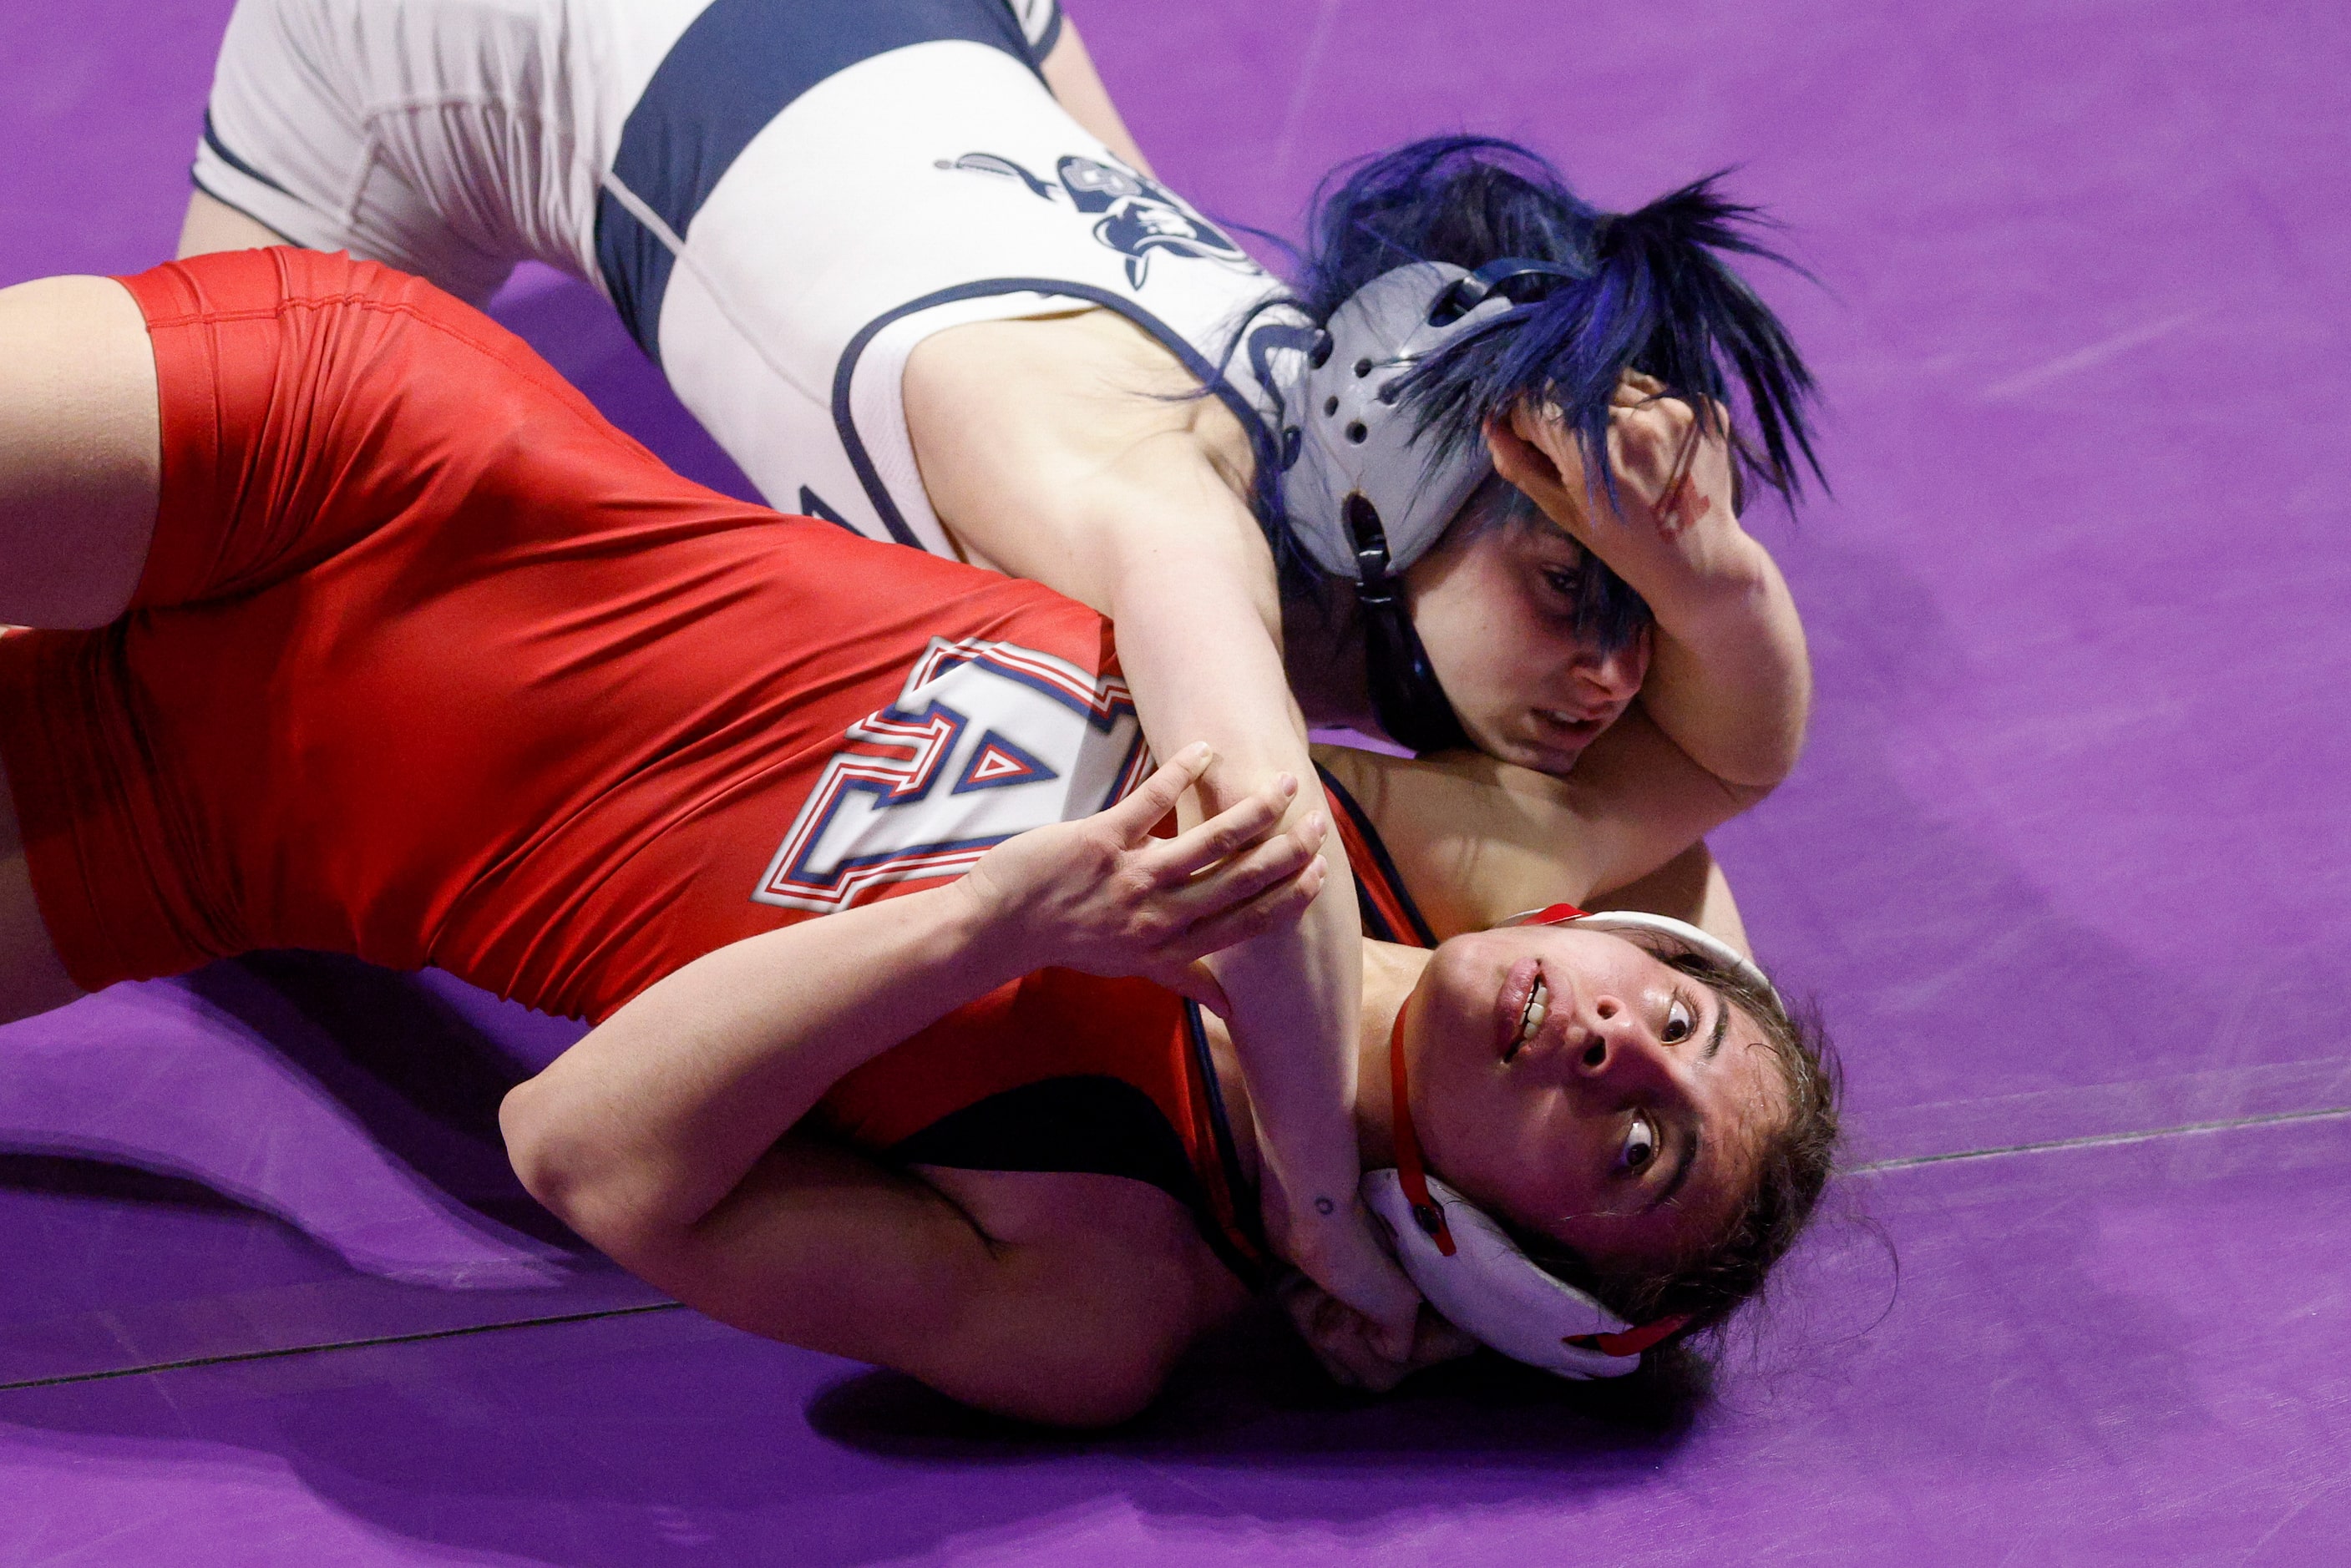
[
  {"x": 234, "y": 1357},
  {"x": 2095, "y": 1140}
]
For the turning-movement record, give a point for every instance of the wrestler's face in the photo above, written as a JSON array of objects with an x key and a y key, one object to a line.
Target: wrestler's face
[
  {"x": 1627, "y": 1124},
  {"x": 1494, "y": 602}
]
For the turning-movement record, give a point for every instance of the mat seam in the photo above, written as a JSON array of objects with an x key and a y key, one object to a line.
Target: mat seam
[
  {"x": 236, "y": 1357},
  {"x": 2100, "y": 1140}
]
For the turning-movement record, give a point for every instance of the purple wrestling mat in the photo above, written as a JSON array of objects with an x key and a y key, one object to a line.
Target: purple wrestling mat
[{"x": 2065, "y": 861}]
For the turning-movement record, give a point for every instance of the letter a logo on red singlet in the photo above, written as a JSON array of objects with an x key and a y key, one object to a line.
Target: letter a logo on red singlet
[
  {"x": 1027, "y": 738},
  {"x": 997, "y": 763}
]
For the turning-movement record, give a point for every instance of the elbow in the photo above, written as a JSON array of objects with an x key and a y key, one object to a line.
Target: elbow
[
  {"x": 1759, "y": 768},
  {"x": 544, "y": 1159},
  {"x": 574, "y": 1177},
  {"x": 1746, "y": 796},
  {"x": 1085, "y": 1374}
]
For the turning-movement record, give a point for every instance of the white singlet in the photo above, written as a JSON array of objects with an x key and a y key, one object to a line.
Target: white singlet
[{"x": 781, "y": 197}]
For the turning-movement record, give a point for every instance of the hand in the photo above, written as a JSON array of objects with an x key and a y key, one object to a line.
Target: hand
[
  {"x": 1104, "y": 896},
  {"x": 1345, "y": 1342},
  {"x": 1672, "y": 475},
  {"x": 1339, "y": 1256}
]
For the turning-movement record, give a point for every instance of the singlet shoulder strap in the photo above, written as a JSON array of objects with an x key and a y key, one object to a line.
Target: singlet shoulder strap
[
  {"x": 1389, "y": 913},
  {"x": 1230, "y": 1223}
]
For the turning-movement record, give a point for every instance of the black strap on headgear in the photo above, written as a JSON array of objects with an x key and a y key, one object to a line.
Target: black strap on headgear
[{"x": 1411, "y": 704}]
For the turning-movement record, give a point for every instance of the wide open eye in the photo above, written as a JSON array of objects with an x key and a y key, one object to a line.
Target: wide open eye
[
  {"x": 1640, "y": 1147},
  {"x": 1681, "y": 1021}
]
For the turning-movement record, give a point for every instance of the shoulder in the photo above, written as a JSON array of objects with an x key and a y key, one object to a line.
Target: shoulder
[{"x": 1473, "y": 838}]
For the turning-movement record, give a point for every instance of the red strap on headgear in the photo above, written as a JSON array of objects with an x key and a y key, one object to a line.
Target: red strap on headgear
[{"x": 1410, "y": 1171}]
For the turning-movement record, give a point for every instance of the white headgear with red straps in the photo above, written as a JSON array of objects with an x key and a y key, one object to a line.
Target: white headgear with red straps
[{"x": 1468, "y": 1267}]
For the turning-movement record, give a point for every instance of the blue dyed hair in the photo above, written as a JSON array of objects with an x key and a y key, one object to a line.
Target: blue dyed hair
[{"x": 1650, "y": 290}]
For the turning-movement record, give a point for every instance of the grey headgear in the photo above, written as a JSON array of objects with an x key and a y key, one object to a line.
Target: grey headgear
[
  {"x": 1357, "y": 437},
  {"x": 1368, "y": 494}
]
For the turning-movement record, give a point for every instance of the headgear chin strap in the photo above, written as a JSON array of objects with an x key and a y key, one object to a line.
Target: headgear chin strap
[
  {"x": 1468, "y": 1267},
  {"x": 1368, "y": 492}
]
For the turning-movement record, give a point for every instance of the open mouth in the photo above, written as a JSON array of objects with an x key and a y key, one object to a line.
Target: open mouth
[
  {"x": 1530, "y": 1017},
  {"x": 1574, "y": 723}
]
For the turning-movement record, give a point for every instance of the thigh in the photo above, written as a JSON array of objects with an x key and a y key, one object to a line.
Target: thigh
[
  {"x": 33, "y": 979},
  {"x": 81, "y": 452}
]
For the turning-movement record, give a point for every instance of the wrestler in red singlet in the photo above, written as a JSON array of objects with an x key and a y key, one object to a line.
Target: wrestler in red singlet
[{"x": 430, "y": 665}]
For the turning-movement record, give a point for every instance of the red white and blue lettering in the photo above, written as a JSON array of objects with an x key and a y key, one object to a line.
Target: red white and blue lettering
[{"x": 986, "y": 740}]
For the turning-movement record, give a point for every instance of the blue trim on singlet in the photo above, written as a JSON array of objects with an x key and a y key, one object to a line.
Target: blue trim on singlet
[
  {"x": 1044, "y": 46},
  {"x": 736, "y": 68},
  {"x": 213, "y": 140},
  {"x": 844, "y": 374},
  {"x": 812, "y": 505},
  {"x": 1229, "y": 1159}
]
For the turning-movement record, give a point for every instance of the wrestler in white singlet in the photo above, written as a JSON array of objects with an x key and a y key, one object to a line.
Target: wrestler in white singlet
[{"x": 781, "y": 197}]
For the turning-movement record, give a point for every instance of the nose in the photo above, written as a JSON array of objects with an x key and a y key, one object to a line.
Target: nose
[
  {"x": 1608, "y": 1042},
  {"x": 1614, "y": 677}
]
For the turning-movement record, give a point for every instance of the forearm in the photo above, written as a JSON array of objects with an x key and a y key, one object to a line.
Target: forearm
[
  {"x": 1202, "y": 663},
  {"x": 1730, "y": 679},
  {"x": 654, "y": 1117}
]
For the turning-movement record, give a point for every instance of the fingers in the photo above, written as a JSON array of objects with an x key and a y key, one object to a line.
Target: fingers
[
  {"x": 1229, "y": 832},
  {"x": 1334, "y": 1331},
  {"x": 1438, "y": 1341},
  {"x": 1347, "y": 1343},
  {"x": 1264, "y": 865},
  {"x": 1374, "y": 1286},
  {"x": 1133, "y": 818},
  {"x": 1286, "y": 899}
]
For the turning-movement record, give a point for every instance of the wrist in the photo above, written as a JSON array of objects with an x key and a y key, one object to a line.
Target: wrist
[
  {"x": 979, "y": 931},
  {"x": 1711, "y": 583}
]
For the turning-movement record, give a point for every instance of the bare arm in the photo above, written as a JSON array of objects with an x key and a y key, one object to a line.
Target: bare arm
[
  {"x": 1069, "y": 72},
  {"x": 1478, "y": 840},
  {"x": 821, "y": 1247},
  {"x": 657, "y": 1137},
  {"x": 649, "y": 1122},
  {"x": 1201, "y": 647},
  {"x": 1069, "y": 453},
  {"x": 1718, "y": 722}
]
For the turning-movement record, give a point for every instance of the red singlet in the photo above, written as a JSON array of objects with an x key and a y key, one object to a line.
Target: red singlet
[{"x": 430, "y": 665}]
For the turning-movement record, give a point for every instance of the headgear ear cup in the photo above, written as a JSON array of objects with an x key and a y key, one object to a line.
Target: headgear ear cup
[{"x": 1489, "y": 1290}]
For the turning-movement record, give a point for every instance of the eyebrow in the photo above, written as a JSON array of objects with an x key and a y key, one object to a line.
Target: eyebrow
[{"x": 1721, "y": 1027}]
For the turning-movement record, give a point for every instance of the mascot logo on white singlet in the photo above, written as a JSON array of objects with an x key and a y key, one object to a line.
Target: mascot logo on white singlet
[
  {"x": 1137, "y": 216},
  {"x": 986, "y": 740}
]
